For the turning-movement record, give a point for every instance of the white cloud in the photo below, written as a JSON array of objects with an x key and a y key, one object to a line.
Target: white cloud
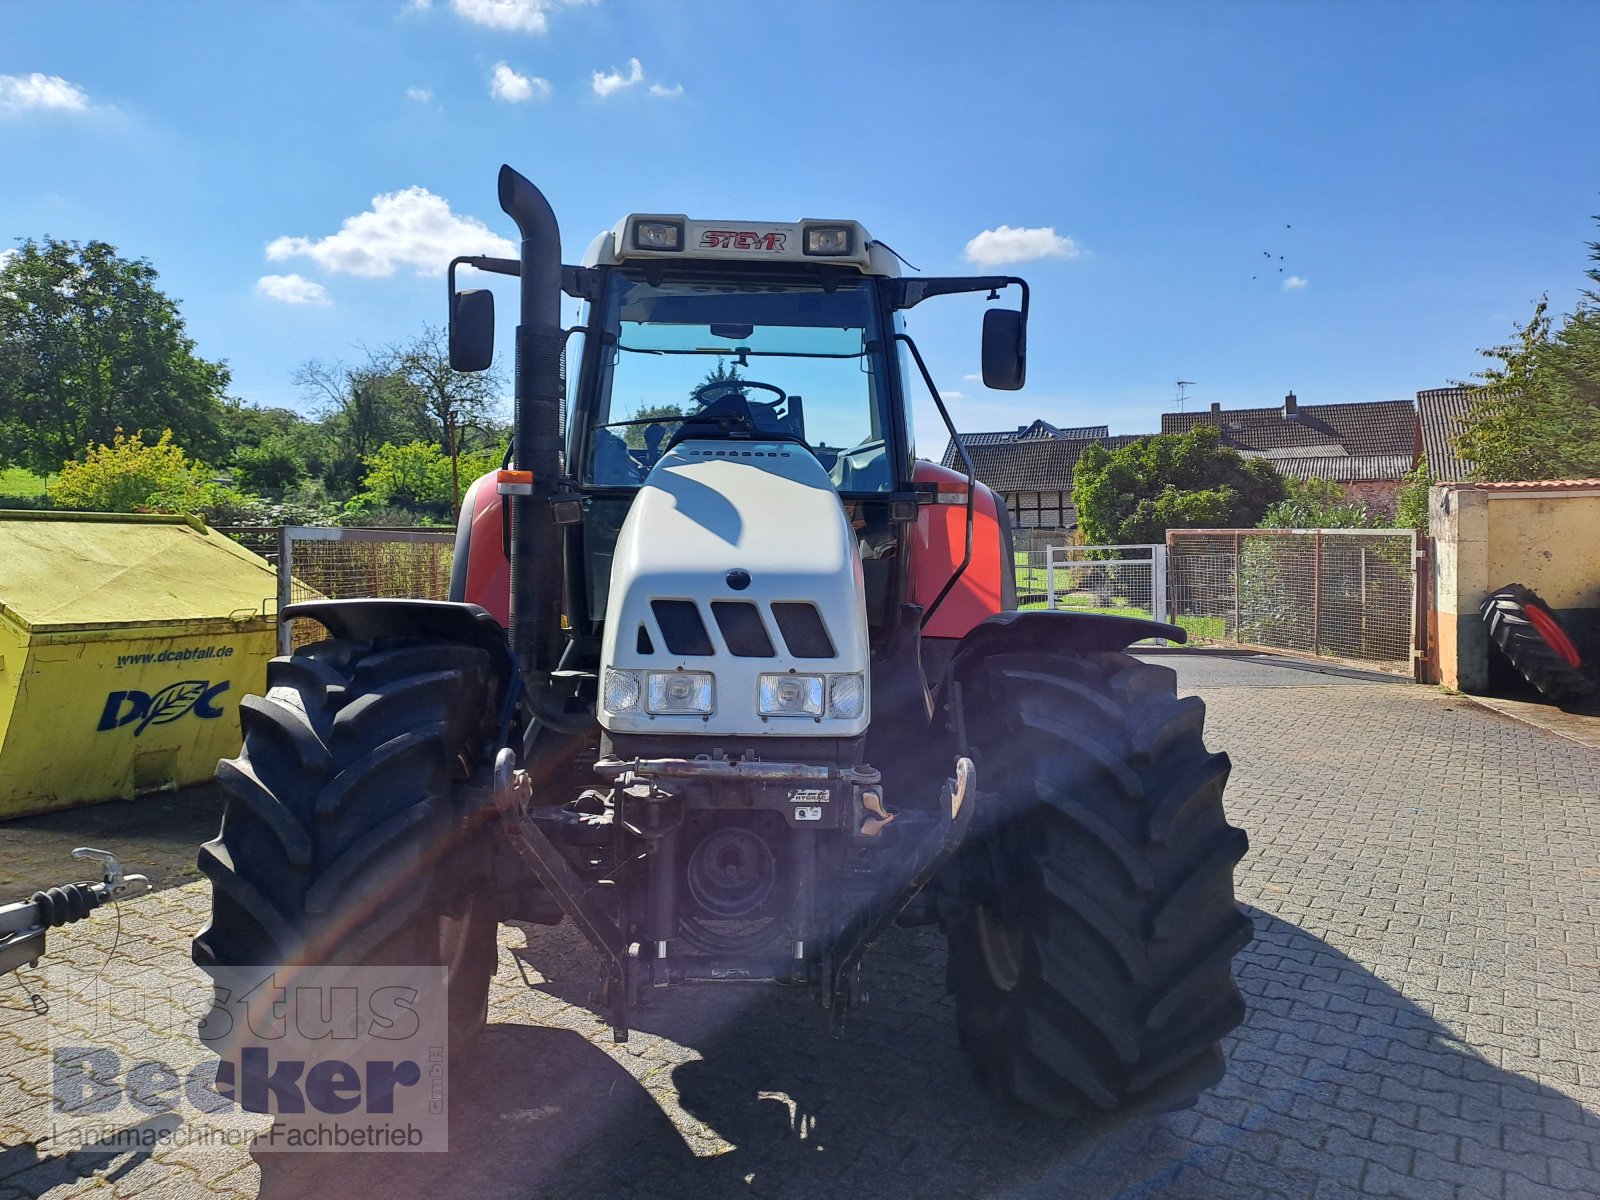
[
  {"x": 40, "y": 92},
  {"x": 1294, "y": 284},
  {"x": 952, "y": 395},
  {"x": 509, "y": 87},
  {"x": 420, "y": 95},
  {"x": 5, "y": 258},
  {"x": 410, "y": 228},
  {"x": 662, "y": 92},
  {"x": 607, "y": 82},
  {"x": 995, "y": 247},
  {"x": 972, "y": 377},
  {"x": 417, "y": 6},
  {"x": 513, "y": 16},
  {"x": 292, "y": 289}
]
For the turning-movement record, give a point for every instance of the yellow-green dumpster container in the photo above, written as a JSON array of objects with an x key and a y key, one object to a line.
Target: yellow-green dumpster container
[{"x": 125, "y": 645}]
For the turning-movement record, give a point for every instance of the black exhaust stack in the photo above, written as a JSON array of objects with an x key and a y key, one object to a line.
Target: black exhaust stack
[{"x": 536, "y": 550}]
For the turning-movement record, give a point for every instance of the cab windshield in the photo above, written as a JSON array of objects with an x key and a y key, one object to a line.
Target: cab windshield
[{"x": 725, "y": 358}]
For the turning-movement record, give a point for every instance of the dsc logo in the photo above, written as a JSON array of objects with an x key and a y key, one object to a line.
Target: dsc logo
[{"x": 171, "y": 702}]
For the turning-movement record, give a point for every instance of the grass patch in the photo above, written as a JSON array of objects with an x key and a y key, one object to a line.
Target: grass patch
[
  {"x": 1200, "y": 629},
  {"x": 15, "y": 481}
]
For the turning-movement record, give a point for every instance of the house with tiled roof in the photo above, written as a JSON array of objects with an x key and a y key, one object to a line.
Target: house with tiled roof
[
  {"x": 1443, "y": 413},
  {"x": 1034, "y": 475},
  {"x": 1023, "y": 433},
  {"x": 1369, "y": 447}
]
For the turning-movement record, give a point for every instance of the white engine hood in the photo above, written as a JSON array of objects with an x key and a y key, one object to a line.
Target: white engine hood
[{"x": 713, "y": 507}]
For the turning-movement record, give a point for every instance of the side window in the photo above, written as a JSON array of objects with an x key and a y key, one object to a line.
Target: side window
[{"x": 911, "y": 388}]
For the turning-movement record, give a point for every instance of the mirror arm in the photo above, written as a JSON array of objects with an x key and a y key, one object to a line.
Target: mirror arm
[
  {"x": 908, "y": 293},
  {"x": 581, "y": 283}
]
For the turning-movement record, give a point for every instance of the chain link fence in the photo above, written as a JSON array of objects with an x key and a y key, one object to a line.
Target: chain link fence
[
  {"x": 336, "y": 563},
  {"x": 1345, "y": 594}
]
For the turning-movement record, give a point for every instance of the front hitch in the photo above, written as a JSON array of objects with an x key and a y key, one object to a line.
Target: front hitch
[{"x": 932, "y": 850}]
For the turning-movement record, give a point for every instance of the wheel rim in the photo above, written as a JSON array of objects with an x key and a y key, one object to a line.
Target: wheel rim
[
  {"x": 1001, "y": 942},
  {"x": 1554, "y": 636}
]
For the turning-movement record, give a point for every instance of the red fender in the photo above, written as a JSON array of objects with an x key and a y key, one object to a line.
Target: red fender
[
  {"x": 940, "y": 544},
  {"x": 480, "y": 573}
]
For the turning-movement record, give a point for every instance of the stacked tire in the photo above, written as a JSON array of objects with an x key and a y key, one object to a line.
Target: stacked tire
[{"x": 1528, "y": 633}]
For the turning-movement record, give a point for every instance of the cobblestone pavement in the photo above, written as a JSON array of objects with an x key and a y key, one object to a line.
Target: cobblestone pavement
[{"x": 1424, "y": 1016}]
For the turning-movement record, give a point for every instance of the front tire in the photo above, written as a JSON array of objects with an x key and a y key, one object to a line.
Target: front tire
[
  {"x": 342, "y": 836},
  {"x": 1092, "y": 962}
]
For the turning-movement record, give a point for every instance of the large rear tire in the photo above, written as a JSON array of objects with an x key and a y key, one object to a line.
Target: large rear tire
[
  {"x": 1528, "y": 633},
  {"x": 342, "y": 841},
  {"x": 1092, "y": 965}
]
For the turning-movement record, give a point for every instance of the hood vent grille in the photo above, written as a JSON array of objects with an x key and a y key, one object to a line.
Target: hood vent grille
[
  {"x": 803, "y": 630},
  {"x": 740, "y": 623},
  {"x": 681, "y": 627}
]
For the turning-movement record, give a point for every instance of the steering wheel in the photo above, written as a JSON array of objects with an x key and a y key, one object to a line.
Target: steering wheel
[{"x": 723, "y": 405}]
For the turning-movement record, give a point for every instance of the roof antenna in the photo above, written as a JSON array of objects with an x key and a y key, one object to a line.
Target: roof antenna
[
  {"x": 1183, "y": 385},
  {"x": 893, "y": 251}
]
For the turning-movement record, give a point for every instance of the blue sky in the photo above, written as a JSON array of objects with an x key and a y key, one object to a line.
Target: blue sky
[{"x": 1425, "y": 170}]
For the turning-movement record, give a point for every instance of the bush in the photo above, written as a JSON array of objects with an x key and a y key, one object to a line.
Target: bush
[
  {"x": 1411, "y": 501},
  {"x": 273, "y": 466},
  {"x": 415, "y": 478},
  {"x": 129, "y": 476},
  {"x": 1316, "y": 504},
  {"x": 36, "y": 502}
]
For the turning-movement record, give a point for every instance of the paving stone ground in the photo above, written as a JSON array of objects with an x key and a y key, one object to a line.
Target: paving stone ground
[{"x": 1424, "y": 1021}]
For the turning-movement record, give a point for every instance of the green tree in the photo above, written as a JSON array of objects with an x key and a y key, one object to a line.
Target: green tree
[
  {"x": 361, "y": 409},
  {"x": 665, "y": 413},
  {"x": 249, "y": 426},
  {"x": 89, "y": 344},
  {"x": 274, "y": 465},
  {"x": 417, "y": 477},
  {"x": 1411, "y": 501},
  {"x": 1134, "y": 494},
  {"x": 1315, "y": 504},
  {"x": 457, "y": 407},
  {"x": 1536, "y": 412}
]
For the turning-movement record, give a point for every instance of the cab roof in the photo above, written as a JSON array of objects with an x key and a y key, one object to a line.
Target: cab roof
[{"x": 640, "y": 236}]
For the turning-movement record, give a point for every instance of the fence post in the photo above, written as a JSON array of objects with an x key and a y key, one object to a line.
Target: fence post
[
  {"x": 1238, "y": 569},
  {"x": 285, "y": 588},
  {"x": 1316, "y": 593},
  {"x": 1366, "y": 641},
  {"x": 1050, "y": 578},
  {"x": 1158, "y": 583}
]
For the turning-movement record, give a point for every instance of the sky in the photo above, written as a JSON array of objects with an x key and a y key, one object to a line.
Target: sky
[{"x": 1342, "y": 199}]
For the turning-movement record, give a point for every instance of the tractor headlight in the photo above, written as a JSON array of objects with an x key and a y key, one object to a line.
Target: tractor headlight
[
  {"x": 789, "y": 695},
  {"x": 676, "y": 693},
  {"x": 657, "y": 235},
  {"x": 830, "y": 240},
  {"x": 847, "y": 695},
  {"x": 621, "y": 691}
]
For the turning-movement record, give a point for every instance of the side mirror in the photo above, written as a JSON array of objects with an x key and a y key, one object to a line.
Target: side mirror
[
  {"x": 1005, "y": 349},
  {"x": 472, "y": 330}
]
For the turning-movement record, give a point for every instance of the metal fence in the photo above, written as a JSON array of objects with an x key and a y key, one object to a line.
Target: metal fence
[
  {"x": 341, "y": 564},
  {"x": 1345, "y": 594},
  {"x": 1032, "y": 549}
]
